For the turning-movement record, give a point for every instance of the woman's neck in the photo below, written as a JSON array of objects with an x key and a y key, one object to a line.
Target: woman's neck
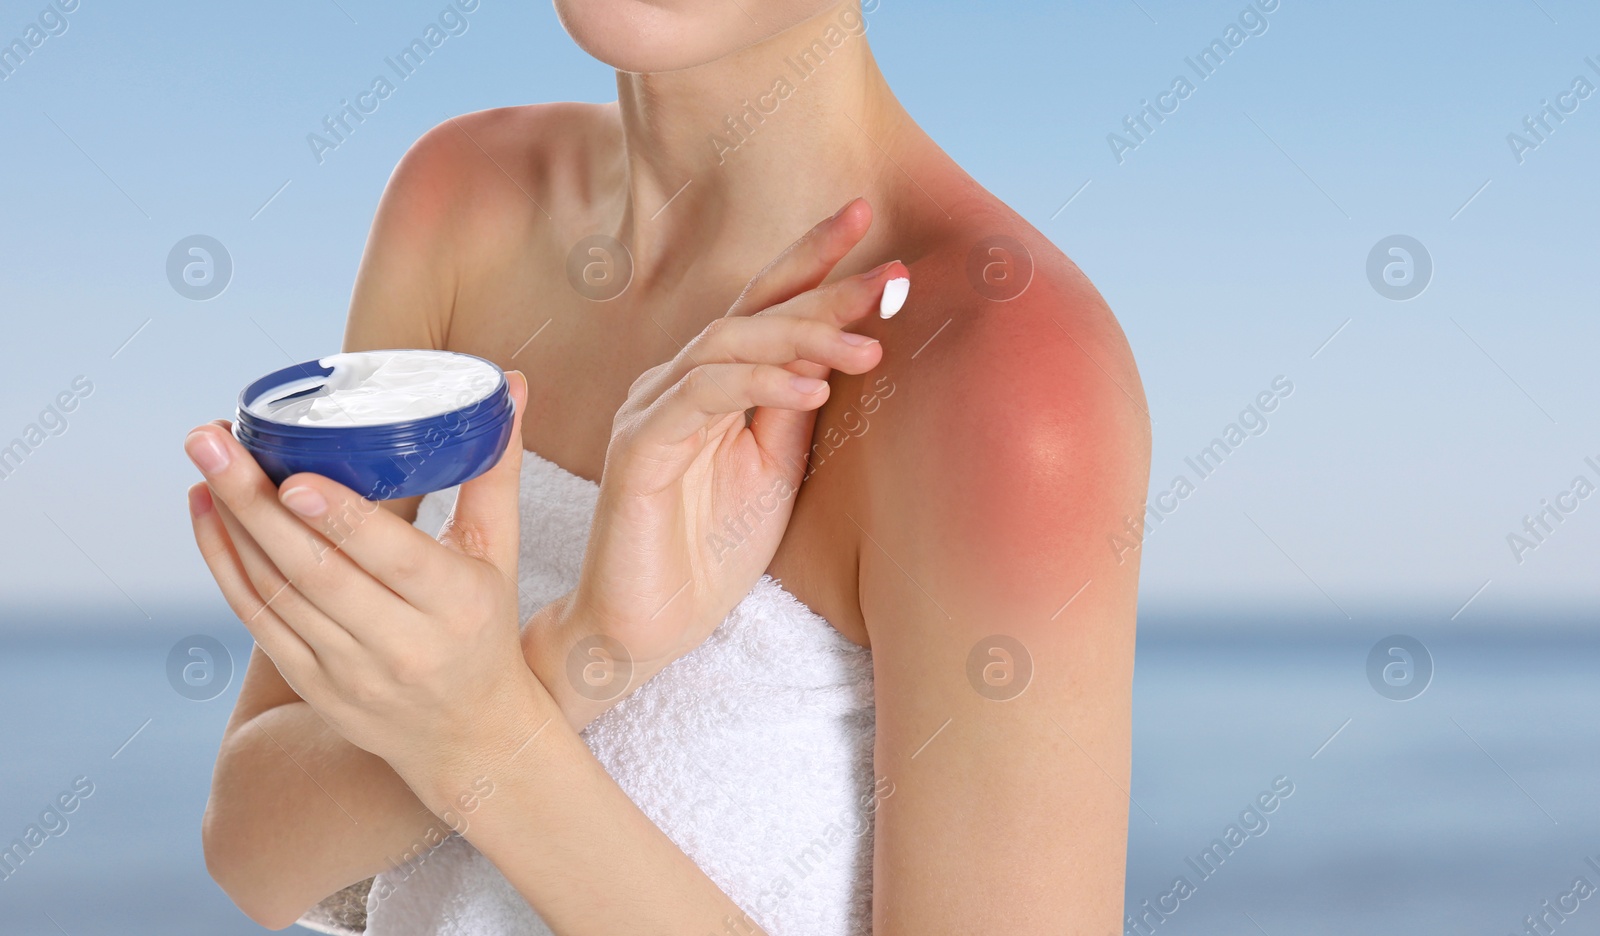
[{"x": 734, "y": 159}]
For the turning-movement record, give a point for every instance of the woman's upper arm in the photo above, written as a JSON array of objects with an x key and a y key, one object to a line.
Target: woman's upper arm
[
  {"x": 405, "y": 288},
  {"x": 1003, "y": 710}
]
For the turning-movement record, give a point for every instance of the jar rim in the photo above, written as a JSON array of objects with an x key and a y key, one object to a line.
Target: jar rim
[{"x": 383, "y": 433}]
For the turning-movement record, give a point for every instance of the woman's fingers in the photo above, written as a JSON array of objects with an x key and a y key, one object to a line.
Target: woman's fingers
[
  {"x": 708, "y": 393},
  {"x": 808, "y": 261},
  {"x": 277, "y": 639},
  {"x": 400, "y": 557},
  {"x": 288, "y": 602},
  {"x": 783, "y": 434},
  {"x": 810, "y": 331},
  {"x": 318, "y": 571},
  {"x": 782, "y": 339}
]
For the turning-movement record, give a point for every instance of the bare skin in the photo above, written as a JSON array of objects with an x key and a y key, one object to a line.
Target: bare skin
[{"x": 979, "y": 498}]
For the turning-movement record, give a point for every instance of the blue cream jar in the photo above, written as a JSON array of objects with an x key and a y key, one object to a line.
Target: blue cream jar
[{"x": 387, "y": 424}]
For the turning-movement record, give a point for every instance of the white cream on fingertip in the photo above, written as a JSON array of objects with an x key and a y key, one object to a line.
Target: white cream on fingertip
[{"x": 894, "y": 296}]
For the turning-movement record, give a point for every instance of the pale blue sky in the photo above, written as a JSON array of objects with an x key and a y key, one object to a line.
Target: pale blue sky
[{"x": 1232, "y": 243}]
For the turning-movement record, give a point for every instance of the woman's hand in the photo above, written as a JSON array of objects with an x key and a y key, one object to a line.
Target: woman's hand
[
  {"x": 403, "y": 644},
  {"x": 695, "y": 498}
]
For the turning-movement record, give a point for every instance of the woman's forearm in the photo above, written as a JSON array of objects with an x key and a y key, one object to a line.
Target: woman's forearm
[
  {"x": 297, "y": 813},
  {"x": 567, "y": 837}
]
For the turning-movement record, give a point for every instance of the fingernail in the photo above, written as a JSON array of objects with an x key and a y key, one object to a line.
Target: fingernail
[
  {"x": 206, "y": 451},
  {"x": 807, "y": 385},
  {"x": 304, "y": 501},
  {"x": 199, "y": 500},
  {"x": 894, "y": 296},
  {"x": 851, "y": 338},
  {"x": 877, "y": 272},
  {"x": 838, "y": 214}
]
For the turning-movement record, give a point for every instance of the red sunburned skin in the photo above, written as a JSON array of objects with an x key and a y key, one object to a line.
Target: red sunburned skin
[{"x": 1019, "y": 429}]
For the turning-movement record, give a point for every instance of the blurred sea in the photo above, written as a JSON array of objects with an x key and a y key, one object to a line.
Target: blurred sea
[{"x": 1456, "y": 812}]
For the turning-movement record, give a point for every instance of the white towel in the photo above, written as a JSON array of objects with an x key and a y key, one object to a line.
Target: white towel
[{"x": 753, "y": 753}]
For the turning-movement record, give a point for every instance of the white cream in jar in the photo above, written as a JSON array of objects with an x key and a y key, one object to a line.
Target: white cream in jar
[{"x": 369, "y": 388}]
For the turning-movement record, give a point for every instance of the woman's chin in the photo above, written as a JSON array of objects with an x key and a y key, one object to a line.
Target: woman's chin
[
  {"x": 643, "y": 59},
  {"x": 643, "y": 38}
]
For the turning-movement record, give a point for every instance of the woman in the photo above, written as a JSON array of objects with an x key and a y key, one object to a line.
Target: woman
[{"x": 966, "y": 533}]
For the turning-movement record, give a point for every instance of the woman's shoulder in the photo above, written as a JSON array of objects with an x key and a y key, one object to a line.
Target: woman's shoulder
[
  {"x": 522, "y": 165},
  {"x": 1017, "y": 432},
  {"x": 1012, "y": 441},
  {"x": 467, "y": 201},
  {"x": 1015, "y": 347}
]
